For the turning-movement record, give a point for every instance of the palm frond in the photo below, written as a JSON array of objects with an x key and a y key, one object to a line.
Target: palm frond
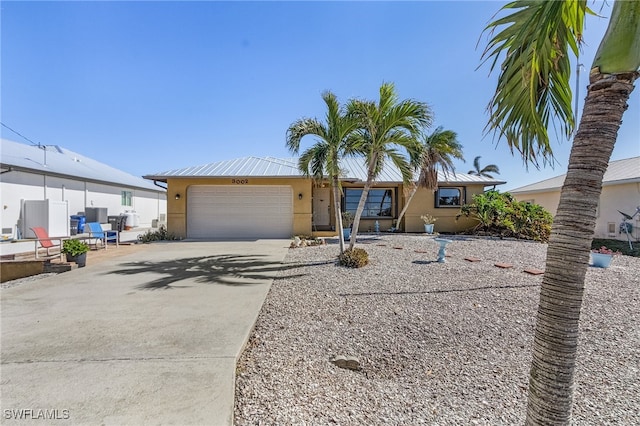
[
  {"x": 491, "y": 168},
  {"x": 619, "y": 50},
  {"x": 533, "y": 90},
  {"x": 334, "y": 138},
  {"x": 440, "y": 148},
  {"x": 312, "y": 162},
  {"x": 301, "y": 128},
  {"x": 401, "y": 163}
]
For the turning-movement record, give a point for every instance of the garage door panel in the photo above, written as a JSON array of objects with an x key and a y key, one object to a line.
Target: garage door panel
[{"x": 239, "y": 211}]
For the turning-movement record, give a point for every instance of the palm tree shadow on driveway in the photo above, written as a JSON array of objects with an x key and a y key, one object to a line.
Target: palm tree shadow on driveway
[{"x": 231, "y": 270}]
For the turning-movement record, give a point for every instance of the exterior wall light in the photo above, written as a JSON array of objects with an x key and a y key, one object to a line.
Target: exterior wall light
[
  {"x": 300, "y": 196},
  {"x": 177, "y": 196}
]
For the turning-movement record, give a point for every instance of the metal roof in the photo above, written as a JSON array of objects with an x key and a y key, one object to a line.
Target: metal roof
[
  {"x": 618, "y": 171},
  {"x": 58, "y": 161},
  {"x": 353, "y": 169},
  {"x": 247, "y": 166}
]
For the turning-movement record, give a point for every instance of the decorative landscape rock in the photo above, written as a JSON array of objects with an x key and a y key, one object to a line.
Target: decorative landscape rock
[
  {"x": 347, "y": 362},
  {"x": 306, "y": 242}
]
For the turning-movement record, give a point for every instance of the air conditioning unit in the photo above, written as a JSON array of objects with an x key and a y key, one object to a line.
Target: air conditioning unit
[
  {"x": 162, "y": 221},
  {"x": 51, "y": 215}
]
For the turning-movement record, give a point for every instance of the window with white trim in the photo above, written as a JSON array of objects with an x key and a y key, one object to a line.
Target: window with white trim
[{"x": 126, "y": 197}]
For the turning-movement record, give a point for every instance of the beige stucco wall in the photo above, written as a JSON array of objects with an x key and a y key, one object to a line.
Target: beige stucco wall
[
  {"x": 177, "y": 208},
  {"x": 424, "y": 202},
  {"x": 624, "y": 197},
  {"x": 548, "y": 199}
]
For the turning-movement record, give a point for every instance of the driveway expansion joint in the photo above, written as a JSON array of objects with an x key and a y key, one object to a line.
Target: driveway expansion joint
[{"x": 45, "y": 361}]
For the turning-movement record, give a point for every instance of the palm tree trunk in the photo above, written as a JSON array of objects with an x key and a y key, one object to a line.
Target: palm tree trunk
[
  {"x": 356, "y": 218},
  {"x": 414, "y": 189},
  {"x": 556, "y": 335},
  {"x": 338, "y": 210},
  {"x": 363, "y": 199}
]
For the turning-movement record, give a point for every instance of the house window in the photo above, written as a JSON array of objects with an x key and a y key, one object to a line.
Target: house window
[
  {"x": 449, "y": 197},
  {"x": 379, "y": 202},
  {"x": 126, "y": 198}
]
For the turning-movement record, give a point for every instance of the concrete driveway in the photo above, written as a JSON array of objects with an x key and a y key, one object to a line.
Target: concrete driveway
[{"x": 152, "y": 338}]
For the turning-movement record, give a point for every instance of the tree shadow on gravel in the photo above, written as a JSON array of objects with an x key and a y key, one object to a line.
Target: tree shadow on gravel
[
  {"x": 230, "y": 270},
  {"x": 424, "y": 262},
  {"x": 366, "y": 239},
  {"x": 453, "y": 290}
]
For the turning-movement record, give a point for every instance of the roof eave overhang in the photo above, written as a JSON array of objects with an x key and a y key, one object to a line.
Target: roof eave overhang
[
  {"x": 472, "y": 183},
  {"x": 536, "y": 191},
  {"x": 558, "y": 188},
  {"x": 352, "y": 180},
  {"x": 67, "y": 176},
  {"x": 621, "y": 181},
  {"x": 165, "y": 178},
  {"x": 155, "y": 178}
]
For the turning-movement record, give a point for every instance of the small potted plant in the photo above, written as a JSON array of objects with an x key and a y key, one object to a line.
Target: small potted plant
[
  {"x": 428, "y": 222},
  {"x": 601, "y": 257},
  {"x": 76, "y": 251},
  {"x": 347, "y": 221}
]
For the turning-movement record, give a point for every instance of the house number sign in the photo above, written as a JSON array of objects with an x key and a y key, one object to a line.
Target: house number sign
[{"x": 240, "y": 181}]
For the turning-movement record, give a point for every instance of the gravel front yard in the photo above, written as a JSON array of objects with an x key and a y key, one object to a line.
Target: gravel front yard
[{"x": 438, "y": 343}]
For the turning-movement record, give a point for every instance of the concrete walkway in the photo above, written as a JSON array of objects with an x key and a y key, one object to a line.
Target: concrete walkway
[{"x": 152, "y": 338}]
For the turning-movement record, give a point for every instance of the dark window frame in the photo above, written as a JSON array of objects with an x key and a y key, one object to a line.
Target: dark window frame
[
  {"x": 392, "y": 207},
  {"x": 461, "y": 199}
]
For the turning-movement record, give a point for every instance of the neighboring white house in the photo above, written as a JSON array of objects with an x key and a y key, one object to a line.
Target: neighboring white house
[
  {"x": 30, "y": 172},
  {"x": 620, "y": 193}
]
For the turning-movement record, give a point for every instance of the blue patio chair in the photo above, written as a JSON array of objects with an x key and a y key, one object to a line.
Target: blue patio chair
[{"x": 96, "y": 232}]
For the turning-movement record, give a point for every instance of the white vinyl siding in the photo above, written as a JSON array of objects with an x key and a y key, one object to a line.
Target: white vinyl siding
[{"x": 239, "y": 212}]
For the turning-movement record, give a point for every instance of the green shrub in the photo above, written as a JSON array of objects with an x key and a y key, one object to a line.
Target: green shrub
[
  {"x": 74, "y": 247},
  {"x": 500, "y": 214},
  {"x": 353, "y": 258},
  {"x": 160, "y": 235}
]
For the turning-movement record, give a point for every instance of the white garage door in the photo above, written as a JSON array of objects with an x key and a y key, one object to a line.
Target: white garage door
[{"x": 239, "y": 212}]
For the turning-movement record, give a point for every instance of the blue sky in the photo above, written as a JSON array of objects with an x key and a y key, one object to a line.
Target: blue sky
[{"x": 154, "y": 86}]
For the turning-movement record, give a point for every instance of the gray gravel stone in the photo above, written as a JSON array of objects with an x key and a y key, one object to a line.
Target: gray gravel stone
[{"x": 440, "y": 343}]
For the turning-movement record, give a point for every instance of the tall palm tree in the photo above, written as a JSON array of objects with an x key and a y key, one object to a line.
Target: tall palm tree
[
  {"x": 333, "y": 142},
  {"x": 384, "y": 127},
  {"x": 533, "y": 87},
  {"x": 484, "y": 171},
  {"x": 437, "y": 150}
]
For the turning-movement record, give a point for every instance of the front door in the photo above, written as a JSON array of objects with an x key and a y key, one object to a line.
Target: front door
[{"x": 321, "y": 209}]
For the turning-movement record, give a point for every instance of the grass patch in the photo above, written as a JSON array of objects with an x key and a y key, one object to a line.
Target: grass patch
[{"x": 616, "y": 245}]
